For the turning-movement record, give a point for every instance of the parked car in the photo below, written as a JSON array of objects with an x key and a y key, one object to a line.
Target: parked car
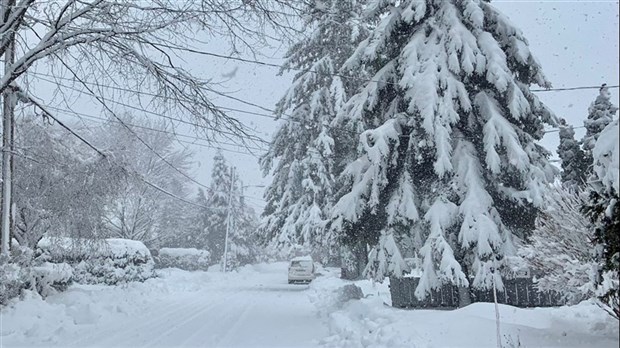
[{"x": 301, "y": 270}]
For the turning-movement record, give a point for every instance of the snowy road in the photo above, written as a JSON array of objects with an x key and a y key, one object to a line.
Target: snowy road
[{"x": 253, "y": 308}]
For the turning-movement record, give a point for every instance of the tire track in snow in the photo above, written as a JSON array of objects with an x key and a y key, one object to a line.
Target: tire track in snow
[
  {"x": 170, "y": 314},
  {"x": 232, "y": 328},
  {"x": 165, "y": 325}
]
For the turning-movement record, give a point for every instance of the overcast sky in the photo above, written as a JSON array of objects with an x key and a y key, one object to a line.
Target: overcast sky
[{"x": 575, "y": 41}]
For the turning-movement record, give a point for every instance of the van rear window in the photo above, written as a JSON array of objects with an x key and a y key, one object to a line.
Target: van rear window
[{"x": 304, "y": 264}]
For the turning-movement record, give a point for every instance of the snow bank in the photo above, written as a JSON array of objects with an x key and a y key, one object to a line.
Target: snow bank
[
  {"x": 189, "y": 259},
  {"x": 371, "y": 322},
  {"x": 106, "y": 261}
]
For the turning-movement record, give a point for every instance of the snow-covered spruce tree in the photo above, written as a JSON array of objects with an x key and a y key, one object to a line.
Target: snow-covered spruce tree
[
  {"x": 600, "y": 113},
  {"x": 242, "y": 248},
  {"x": 559, "y": 251},
  {"x": 301, "y": 195},
  {"x": 453, "y": 160},
  {"x": 574, "y": 161},
  {"x": 603, "y": 208},
  {"x": 217, "y": 201}
]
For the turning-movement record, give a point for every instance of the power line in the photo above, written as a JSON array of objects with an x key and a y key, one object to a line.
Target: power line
[
  {"x": 123, "y": 169},
  {"x": 123, "y": 89},
  {"x": 286, "y": 67},
  {"x": 92, "y": 94},
  {"x": 103, "y": 120},
  {"x": 289, "y": 117},
  {"x": 162, "y": 158}
]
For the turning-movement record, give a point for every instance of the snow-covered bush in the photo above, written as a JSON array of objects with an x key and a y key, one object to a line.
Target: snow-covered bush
[
  {"x": 189, "y": 259},
  {"x": 22, "y": 271},
  {"x": 51, "y": 277},
  {"x": 106, "y": 261},
  {"x": 15, "y": 276},
  {"x": 560, "y": 252}
]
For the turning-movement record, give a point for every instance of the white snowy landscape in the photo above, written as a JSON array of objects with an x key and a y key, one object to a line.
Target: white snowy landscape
[
  {"x": 309, "y": 173},
  {"x": 255, "y": 307}
]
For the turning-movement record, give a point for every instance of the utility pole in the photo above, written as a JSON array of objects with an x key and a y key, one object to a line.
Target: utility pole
[
  {"x": 228, "y": 215},
  {"x": 8, "y": 110}
]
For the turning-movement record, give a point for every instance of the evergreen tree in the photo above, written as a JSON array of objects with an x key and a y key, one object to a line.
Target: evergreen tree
[
  {"x": 301, "y": 195},
  {"x": 217, "y": 201},
  {"x": 242, "y": 249},
  {"x": 604, "y": 211},
  {"x": 224, "y": 200},
  {"x": 574, "y": 161},
  {"x": 452, "y": 160},
  {"x": 600, "y": 113}
]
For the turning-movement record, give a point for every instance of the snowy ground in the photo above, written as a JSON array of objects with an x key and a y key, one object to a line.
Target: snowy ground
[
  {"x": 253, "y": 308},
  {"x": 257, "y": 308}
]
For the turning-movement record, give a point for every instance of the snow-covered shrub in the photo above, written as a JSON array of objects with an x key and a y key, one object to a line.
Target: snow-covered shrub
[
  {"x": 22, "y": 271},
  {"x": 106, "y": 261},
  {"x": 15, "y": 276},
  {"x": 189, "y": 259},
  {"x": 560, "y": 252},
  {"x": 51, "y": 277}
]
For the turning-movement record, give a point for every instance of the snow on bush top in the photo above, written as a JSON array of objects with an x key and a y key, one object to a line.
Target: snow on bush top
[
  {"x": 83, "y": 248},
  {"x": 181, "y": 252}
]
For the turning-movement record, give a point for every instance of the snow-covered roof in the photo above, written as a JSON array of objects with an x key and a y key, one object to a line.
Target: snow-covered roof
[{"x": 302, "y": 258}]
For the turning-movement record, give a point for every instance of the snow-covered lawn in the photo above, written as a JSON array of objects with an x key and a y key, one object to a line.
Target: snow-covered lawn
[
  {"x": 255, "y": 307},
  {"x": 371, "y": 323}
]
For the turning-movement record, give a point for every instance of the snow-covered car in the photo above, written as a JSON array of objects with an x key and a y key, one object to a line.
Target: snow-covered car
[{"x": 301, "y": 270}]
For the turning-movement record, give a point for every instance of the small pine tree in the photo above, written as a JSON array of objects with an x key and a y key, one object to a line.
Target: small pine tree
[
  {"x": 603, "y": 208},
  {"x": 574, "y": 161},
  {"x": 217, "y": 201},
  {"x": 600, "y": 113}
]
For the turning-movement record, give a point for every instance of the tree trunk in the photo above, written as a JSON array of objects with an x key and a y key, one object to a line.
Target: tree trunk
[{"x": 361, "y": 258}]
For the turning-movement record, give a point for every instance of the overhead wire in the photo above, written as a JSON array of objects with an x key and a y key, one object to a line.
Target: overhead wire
[
  {"x": 148, "y": 146},
  {"x": 287, "y": 116},
  {"x": 109, "y": 160},
  {"x": 102, "y": 120},
  {"x": 94, "y": 95},
  {"x": 287, "y": 67}
]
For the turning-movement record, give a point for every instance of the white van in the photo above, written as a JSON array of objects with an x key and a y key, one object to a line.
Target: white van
[{"x": 301, "y": 270}]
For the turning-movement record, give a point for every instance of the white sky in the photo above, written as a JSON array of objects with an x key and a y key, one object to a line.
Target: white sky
[{"x": 575, "y": 41}]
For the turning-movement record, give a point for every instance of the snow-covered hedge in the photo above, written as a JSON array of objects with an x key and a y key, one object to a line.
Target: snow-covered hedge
[
  {"x": 22, "y": 271},
  {"x": 51, "y": 277},
  {"x": 189, "y": 259},
  {"x": 13, "y": 279},
  {"x": 106, "y": 261}
]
